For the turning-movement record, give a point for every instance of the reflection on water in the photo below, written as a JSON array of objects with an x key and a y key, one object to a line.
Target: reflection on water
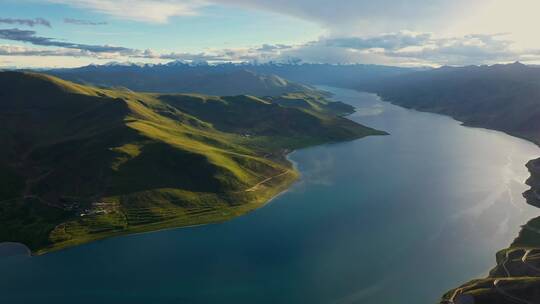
[{"x": 388, "y": 219}]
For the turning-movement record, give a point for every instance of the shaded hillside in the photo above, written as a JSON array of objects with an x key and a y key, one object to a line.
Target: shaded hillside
[
  {"x": 499, "y": 97},
  {"x": 81, "y": 163},
  {"x": 338, "y": 75},
  {"x": 227, "y": 79},
  {"x": 184, "y": 79},
  {"x": 313, "y": 103}
]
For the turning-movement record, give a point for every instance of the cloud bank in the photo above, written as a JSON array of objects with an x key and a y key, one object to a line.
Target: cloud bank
[
  {"x": 392, "y": 32},
  {"x": 27, "y": 22},
  {"x": 401, "y": 48},
  {"x": 151, "y": 11},
  {"x": 345, "y": 16},
  {"x": 83, "y": 22},
  {"x": 29, "y": 36}
]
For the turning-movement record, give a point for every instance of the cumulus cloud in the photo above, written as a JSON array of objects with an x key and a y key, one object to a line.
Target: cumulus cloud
[
  {"x": 393, "y": 41},
  {"x": 364, "y": 16},
  {"x": 404, "y": 48},
  {"x": 346, "y": 16},
  {"x": 469, "y": 49},
  {"x": 408, "y": 48},
  {"x": 222, "y": 55},
  {"x": 356, "y": 31},
  {"x": 27, "y": 22},
  {"x": 273, "y": 47},
  {"x": 83, "y": 22},
  {"x": 17, "y": 50},
  {"x": 29, "y": 36},
  {"x": 400, "y": 48}
]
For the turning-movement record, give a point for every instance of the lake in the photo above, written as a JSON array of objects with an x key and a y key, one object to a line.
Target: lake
[{"x": 388, "y": 219}]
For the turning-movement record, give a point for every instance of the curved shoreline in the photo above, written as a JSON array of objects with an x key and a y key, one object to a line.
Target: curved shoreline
[
  {"x": 328, "y": 218},
  {"x": 286, "y": 180},
  {"x": 487, "y": 289}
]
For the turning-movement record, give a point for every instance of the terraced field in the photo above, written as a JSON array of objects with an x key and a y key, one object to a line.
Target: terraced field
[{"x": 515, "y": 279}]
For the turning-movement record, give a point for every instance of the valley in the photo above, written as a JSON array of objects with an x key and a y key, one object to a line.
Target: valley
[
  {"x": 269, "y": 152},
  {"x": 354, "y": 211}
]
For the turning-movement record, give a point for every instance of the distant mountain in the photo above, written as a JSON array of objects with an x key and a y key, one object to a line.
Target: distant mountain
[
  {"x": 345, "y": 76},
  {"x": 499, "y": 97},
  {"x": 226, "y": 79},
  {"x": 80, "y": 163}
]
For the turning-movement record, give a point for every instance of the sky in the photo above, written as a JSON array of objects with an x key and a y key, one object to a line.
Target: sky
[{"x": 69, "y": 33}]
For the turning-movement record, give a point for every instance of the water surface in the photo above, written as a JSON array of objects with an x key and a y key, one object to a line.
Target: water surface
[{"x": 389, "y": 219}]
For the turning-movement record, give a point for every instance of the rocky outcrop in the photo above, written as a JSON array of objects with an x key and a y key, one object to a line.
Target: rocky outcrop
[
  {"x": 515, "y": 279},
  {"x": 533, "y": 195}
]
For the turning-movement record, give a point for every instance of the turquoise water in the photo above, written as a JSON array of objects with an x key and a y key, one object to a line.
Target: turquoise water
[{"x": 390, "y": 219}]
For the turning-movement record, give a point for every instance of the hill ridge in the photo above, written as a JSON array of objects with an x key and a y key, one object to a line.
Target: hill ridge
[{"x": 85, "y": 163}]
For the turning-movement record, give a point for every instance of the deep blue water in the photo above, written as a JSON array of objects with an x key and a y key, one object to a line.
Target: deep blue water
[{"x": 389, "y": 219}]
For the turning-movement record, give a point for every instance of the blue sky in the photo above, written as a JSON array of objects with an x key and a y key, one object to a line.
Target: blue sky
[
  {"x": 214, "y": 27},
  {"x": 394, "y": 32}
]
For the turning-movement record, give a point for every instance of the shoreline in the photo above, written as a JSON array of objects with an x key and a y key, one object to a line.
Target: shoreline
[
  {"x": 285, "y": 183},
  {"x": 142, "y": 230},
  {"x": 243, "y": 210},
  {"x": 194, "y": 225},
  {"x": 487, "y": 287},
  {"x": 482, "y": 127}
]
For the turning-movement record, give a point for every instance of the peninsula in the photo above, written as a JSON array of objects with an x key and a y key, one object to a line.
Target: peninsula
[{"x": 86, "y": 163}]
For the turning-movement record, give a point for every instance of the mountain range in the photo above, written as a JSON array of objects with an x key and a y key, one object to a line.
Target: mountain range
[{"x": 226, "y": 79}]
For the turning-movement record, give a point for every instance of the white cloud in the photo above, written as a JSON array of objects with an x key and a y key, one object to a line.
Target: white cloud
[
  {"x": 401, "y": 48},
  {"x": 410, "y": 48},
  {"x": 518, "y": 18},
  {"x": 355, "y": 17},
  {"x": 366, "y": 16},
  {"x": 26, "y": 22},
  {"x": 342, "y": 17},
  {"x": 17, "y": 50},
  {"x": 470, "y": 49},
  {"x": 359, "y": 31},
  {"x": 29, "y": 36},
  {"x": 390, "y": 41},
  {"x": 152, "y": 11},
  {"x": 23, "y": 51}
]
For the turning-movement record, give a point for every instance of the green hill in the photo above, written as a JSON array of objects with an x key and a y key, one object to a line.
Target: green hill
[{"x": 81, "y": 163}]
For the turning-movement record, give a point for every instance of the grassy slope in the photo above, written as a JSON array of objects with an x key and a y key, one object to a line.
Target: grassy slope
[
  {"x": 83, "y": 163},
  {"x": 515, "y": 279}
]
